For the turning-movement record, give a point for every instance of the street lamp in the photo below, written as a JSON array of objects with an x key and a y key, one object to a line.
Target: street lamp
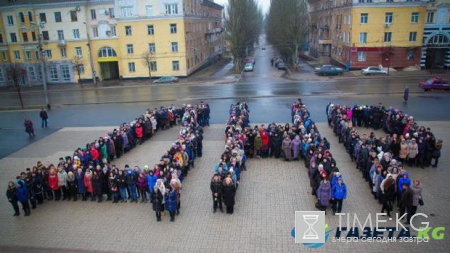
[
  {"x": 90, "y": 54},
  {"x": 42, "y": 60}
]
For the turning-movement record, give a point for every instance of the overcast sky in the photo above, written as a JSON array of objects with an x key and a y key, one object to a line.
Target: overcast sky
[{"x": 263, "y": 3}]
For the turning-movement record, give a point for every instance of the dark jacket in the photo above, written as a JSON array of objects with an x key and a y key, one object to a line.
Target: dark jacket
[
  {"x": 171, "y": 202},
  {"x": 216, "y": 187},
  {"x": 229, "y": 192},
  {"x": 157, "y": 199},
  {"x": 11, "y": 194},
  {"x": 406, "y": 199}
]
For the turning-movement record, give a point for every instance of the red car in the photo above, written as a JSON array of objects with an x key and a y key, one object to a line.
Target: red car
[{"x": 435, "y": 83}]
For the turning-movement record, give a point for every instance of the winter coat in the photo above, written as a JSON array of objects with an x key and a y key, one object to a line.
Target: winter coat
[
  {"x": 402, "y": 180},
  {"x": 171, "y": 201},
  {"x": 53, "y": 182},
  {"x": 62, "y": 178},
  {"x": 22, "y": 193},
  {"x": 265, "y": 141},
  {"x": 417, "y": 194},
  {"x": 131, "y": 178},
  {"x": 229, "y": 192},
  {"x": 97, "y": 184},
  {"x": 257, "y": 143},
  {"x": 324, "y": 193},
  {"x": 296, "y": 146},
  {"x": 216, "y": 187},
  {"x": 11, "y": 194},
  {"x": 72, "y": 185},
  {"x": 139, "y": 132},
  {"x": 286, "y": 145},
  {"x": 339, "y": 191},
  {"x": 88, "y": 183},
  {"x": 403, "y": 150},
  {"x": 80, "y": 183},
  {"x": 151, "y": 181},
  {"x": 142, "y": 183},
  {"x": 157, "y": 201},
  {"x": 406, "y": 199},
  {"x": 413, "y": 151},
  {"x": 28, "y": 126}
]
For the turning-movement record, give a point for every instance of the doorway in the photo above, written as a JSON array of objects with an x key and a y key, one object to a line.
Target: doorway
[{"x": 109, "y": 70}]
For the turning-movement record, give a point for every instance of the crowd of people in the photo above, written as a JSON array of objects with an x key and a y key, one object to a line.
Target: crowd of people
[
  {"x": 89, "y": 174},
  {"x": 226, "y": 178},
  {"x": 382, "y": 160}
]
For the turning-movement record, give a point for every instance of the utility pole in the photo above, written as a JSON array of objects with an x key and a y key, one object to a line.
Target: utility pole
[
  {"x": 91, "y": 61},
  {"x": 42, "y": 60}
]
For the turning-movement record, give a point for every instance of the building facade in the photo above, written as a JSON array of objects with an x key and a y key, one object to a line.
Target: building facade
[
  {"x": 361, "y": 33},
  {"x": 436, "y": 36},
  {"x": 121, "y": 38}
]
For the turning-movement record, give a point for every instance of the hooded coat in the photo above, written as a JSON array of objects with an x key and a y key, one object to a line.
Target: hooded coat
[
  {"x": 296, "y": 147},
  {"x": 171, "y": 201},
  {"x": 324, "y": 193},
  {"x": 286, "y": 145},
  {"x": 339, "y": 191},
  {"x": 403, "y": 180},
  {"x": 417, "y": 194},
  {"x": 229, "y": 192}
]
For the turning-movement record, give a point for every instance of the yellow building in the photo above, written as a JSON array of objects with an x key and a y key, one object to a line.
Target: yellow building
[
  {"x": 121, "y": 38},
  {"x": 371, "y": 33}
]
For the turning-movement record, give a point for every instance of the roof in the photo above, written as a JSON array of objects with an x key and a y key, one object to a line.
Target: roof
[
  {"x": 212, "y": 4},
  {"x": 26, "y": 2}
]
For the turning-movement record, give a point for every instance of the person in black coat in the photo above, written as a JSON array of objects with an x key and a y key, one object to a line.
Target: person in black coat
[
  {"x": 11, "y": 194},
  {"x": 44, "y": 117},
  {"x": 157, "y": 199},
  {"x": 216, "y": 190},
  {"x": 97, "y": 186},
  {"x": 229, "y": 192}
]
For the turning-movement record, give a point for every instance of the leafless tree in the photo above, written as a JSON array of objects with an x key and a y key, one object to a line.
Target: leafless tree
[
  {"x": 148, "y": 59},
  {"x": 77, "y": 64},
  {"x": 15, "y": 73}
]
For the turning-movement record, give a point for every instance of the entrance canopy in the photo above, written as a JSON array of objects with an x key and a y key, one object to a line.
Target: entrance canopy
[
  {"x": 438, "y": 41},
  {"x": 107, "y": 54}
]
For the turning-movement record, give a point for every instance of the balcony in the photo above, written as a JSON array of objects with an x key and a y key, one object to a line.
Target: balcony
[{"x": 62, "y": 43}]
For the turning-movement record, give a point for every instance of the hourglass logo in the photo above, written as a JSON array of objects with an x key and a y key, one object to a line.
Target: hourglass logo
[{"x": 309, "y": 227}]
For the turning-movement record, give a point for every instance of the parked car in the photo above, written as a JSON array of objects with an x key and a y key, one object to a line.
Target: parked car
[
  {"x": 263, "y": 48},
  {"x": 248, "y": 67},
  {"x": 167, "y": 79},
  {"x": 250, "y": 60},
  {"x": 435, "y": 83},
  {"x": 326, "y": 65},
  {"x": 281, "y": 65},
  {"x": 329, "y": 71},
  {"x": 373, "y": 71}
]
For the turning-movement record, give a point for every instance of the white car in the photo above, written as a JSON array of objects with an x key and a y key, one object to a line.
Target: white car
[
  {"x": 248, "y": 67},
  {"x": 373, "y": 71}
]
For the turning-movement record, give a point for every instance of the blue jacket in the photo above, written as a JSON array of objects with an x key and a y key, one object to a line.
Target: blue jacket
[
  {"x": 339, "y": 191},
  {"x": 171, "y": 201},
  {"x": 80, "y": 183},
  {"x": 151, "y": 181},
  {"x": 334, "y": 180},
  {"x": 403, "y": 180},
  {"x": 22, "y": 193}
]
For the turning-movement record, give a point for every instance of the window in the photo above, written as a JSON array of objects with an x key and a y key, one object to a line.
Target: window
[
  {"x": 412, "y": 36},
  {"x": 131, "y": 67},
  {"x": 364, "y": 18},
  {"x": 53, "y": 73},
  {"x": 174, "y": 47},
  {"x": 78, "y": 51},
  {"x": 33, "y": 36},
  {"x": 173, "y": 28},
  {"x": 58, "y": 18},
  {"x": 17, "y": 55},
  {"x": 388, "y": 18},
  {"x": 113, "y": 31},
  {"x": 10, "y": 20},
  {"x": 126, "y": 11},
  {"x": 4, "y": 56},
  {"x": 48, "y": 53},
  {"x": 153, "y": 66},
  {"x": 45, "y": 35},
  {"x": 171, "y": 9},
  {"x": 95, "y": 32},
  {"x": 414, "y": 17},
  {"x": 152, "y": 48},
  {"x": 39, "y": 72},
  {"x": 31, "y": 73},
  {"x": 65, "y": 72},
  {"x": 76, "y": 33},
  {"x": 30, "y": 16},
  {"x": 130, "y": 49},
  {"x": 37, "y": 54},
  {"x": 1, "y": 38},
  {"x": 80, "y": 68},
  {"x": 2, "y": 78},
  {"x": 149, "y": 10},
  {"x": 387, "y": 37},
  {"x": 21, "y": 17},
  {"x": 60, "y": 35},
  {"x": 13, "y": 37},
  {"x": 361, "y": 56},
  {"x": 107, "y": 52},
  {"x": 150, "y": 30},
  {"x": 410, "y": 55},
  {"x": 28, "y": 55},
  {"x": 63, "y": 52},
  {"x": 128, "y": 31},
  {"x": 430, "y": 17},
  {"x": 43, "y": 17},
  {"x": 363, "y": 38},
  {"x": 73, "y": 16},
  {"x": 25, "y": 37},
  {"x": 175, "y": 65},
  {"x": 93, "y": 14},
  {"x": 111, "y": 13}
]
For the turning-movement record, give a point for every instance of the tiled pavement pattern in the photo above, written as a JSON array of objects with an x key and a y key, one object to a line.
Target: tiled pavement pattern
[{"x": 270, "y": 192}]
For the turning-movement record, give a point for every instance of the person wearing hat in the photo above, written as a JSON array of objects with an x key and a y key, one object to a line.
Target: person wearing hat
[
  {"x": 157, "y": 202},
  {"x": 324, "y": 192},
  {"x": 338, "y": 194}
]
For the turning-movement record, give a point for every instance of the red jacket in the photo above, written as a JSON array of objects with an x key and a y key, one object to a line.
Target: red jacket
[
  {"x": 138, "y": 131},
  {"x": 53, "y": 182},
  {"x": 94, "y": 153},
  {"x": 88, "y": 183},
  {"x": 265, "y": 140}
]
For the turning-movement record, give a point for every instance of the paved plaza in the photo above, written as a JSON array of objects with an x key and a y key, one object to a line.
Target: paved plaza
[{"x": 270, "y": 192}]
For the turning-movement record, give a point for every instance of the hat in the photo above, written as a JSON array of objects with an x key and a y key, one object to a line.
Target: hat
[{"x": 145, "y": 167}]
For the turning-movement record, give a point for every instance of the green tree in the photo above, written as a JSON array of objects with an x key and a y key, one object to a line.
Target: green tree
[
  {"x": 287, "y": 24},
  {"x": 243, "y": 24}
]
